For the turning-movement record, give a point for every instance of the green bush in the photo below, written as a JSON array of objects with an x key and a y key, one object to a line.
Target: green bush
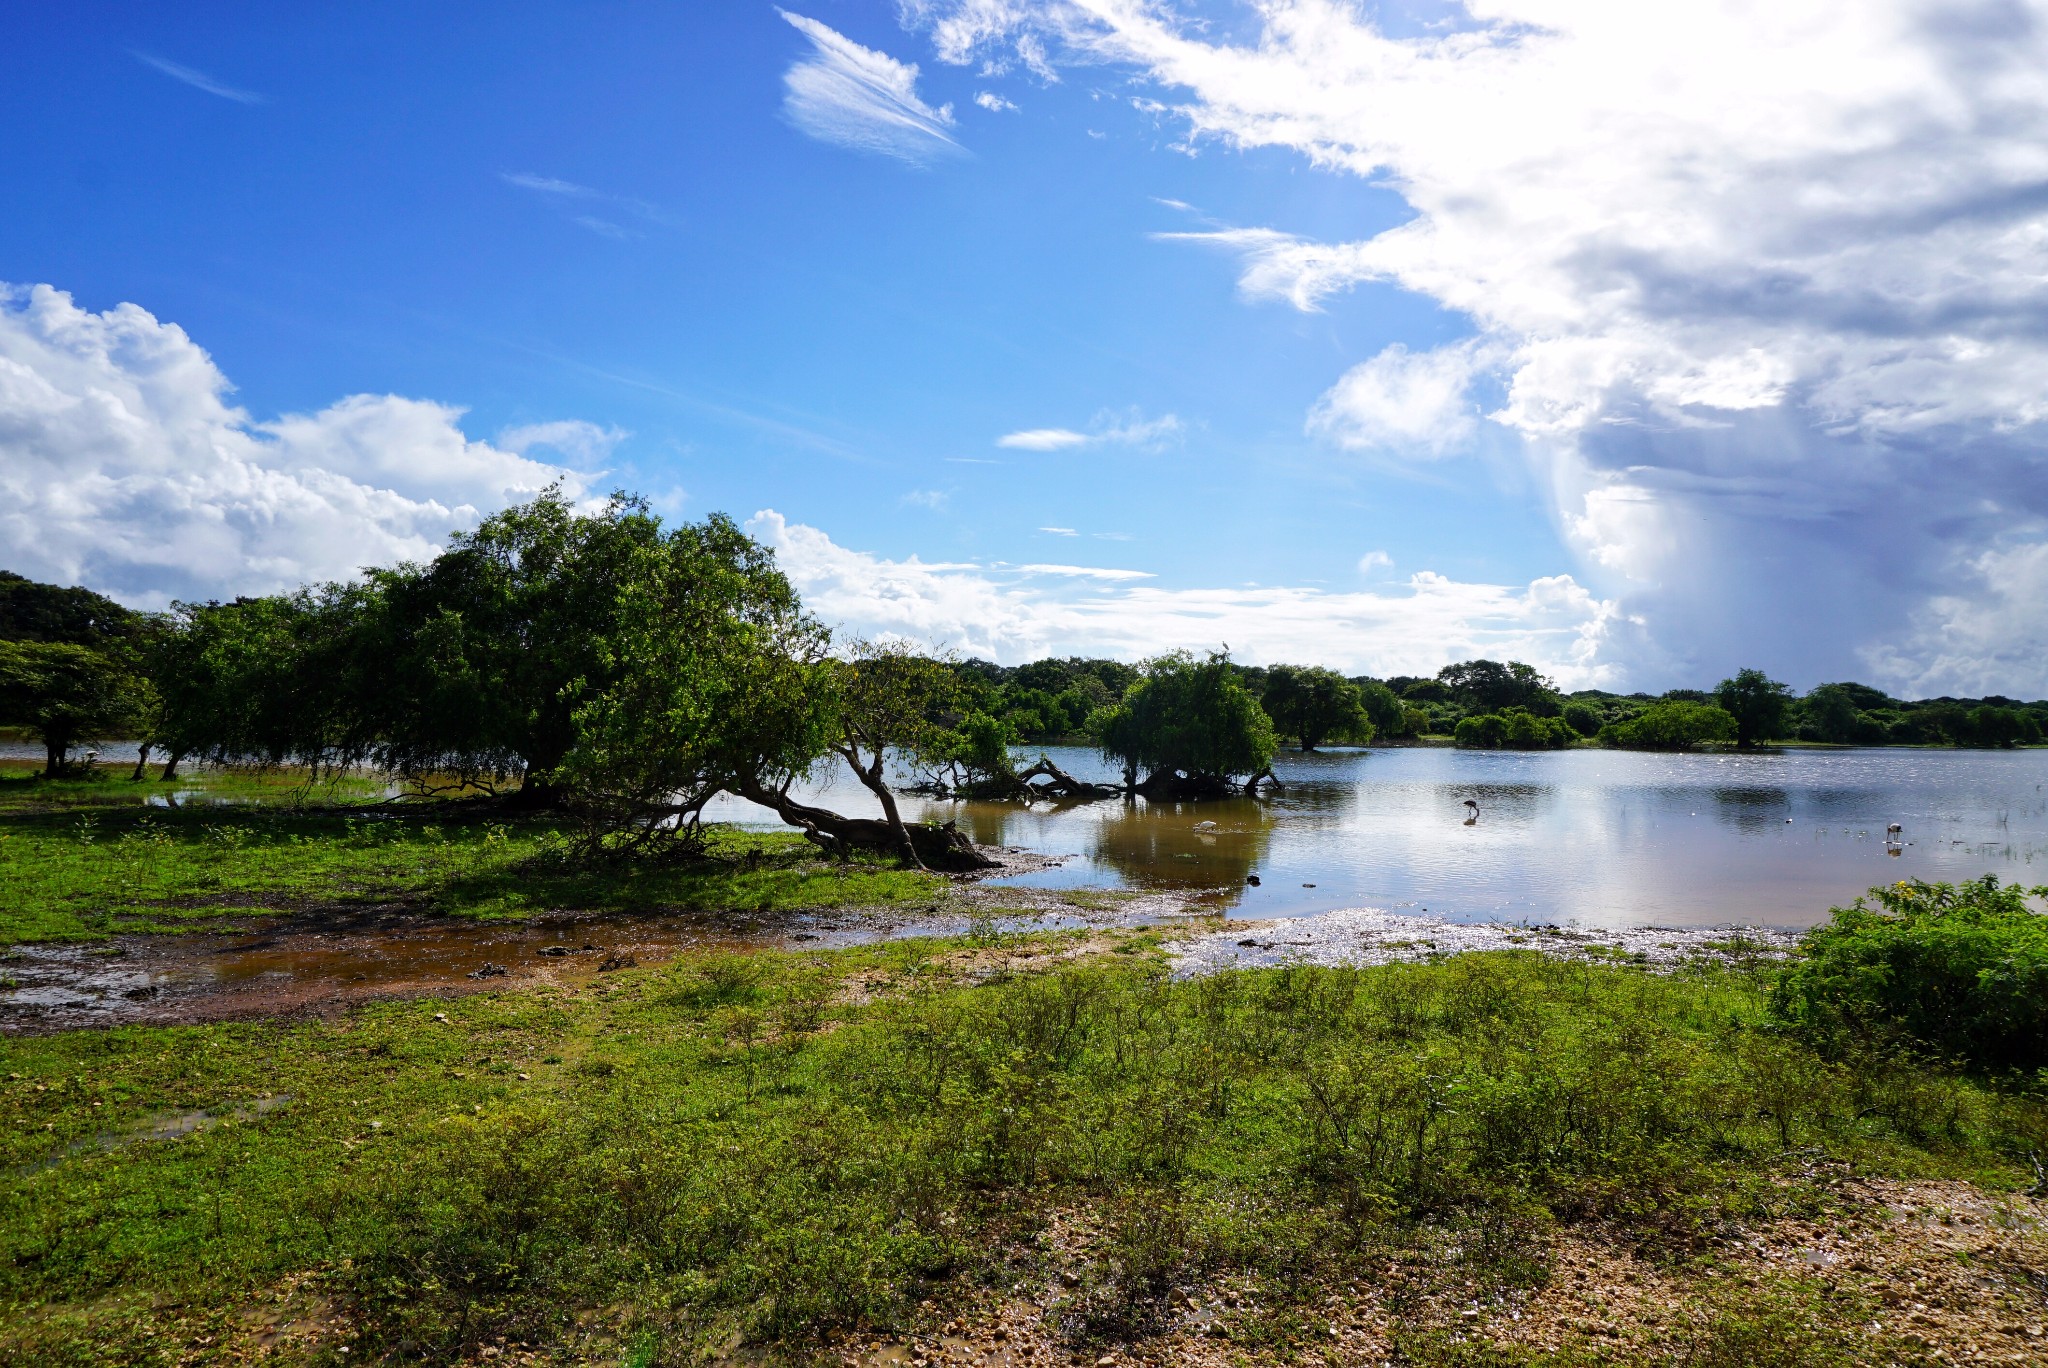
[
  {"x": 1957, "y": 969},
  {"x": 1673, "y": 725},
  {"x": 1513, "y": 729}
]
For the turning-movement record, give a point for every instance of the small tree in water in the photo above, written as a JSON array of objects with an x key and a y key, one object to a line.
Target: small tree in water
[{"x": 1190, "y": 726}]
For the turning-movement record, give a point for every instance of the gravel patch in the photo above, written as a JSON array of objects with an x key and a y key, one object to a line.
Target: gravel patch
[{"x": 1365, "y": 936}]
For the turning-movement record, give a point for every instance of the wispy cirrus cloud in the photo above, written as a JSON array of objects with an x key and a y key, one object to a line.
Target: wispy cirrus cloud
[
  {"x": 859, "y": 98},
  {"x": 198, "y": 80},
  {"x": 1131, "y": 430},
  {"x": 587, "y": 444},
  {"x": 575, "y": 201}
]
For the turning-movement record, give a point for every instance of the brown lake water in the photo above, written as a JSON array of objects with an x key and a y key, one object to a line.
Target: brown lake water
[{"x": 1594, "y": 838}]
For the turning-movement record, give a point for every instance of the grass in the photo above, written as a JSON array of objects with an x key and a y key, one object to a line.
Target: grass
[
  {"x": 777, "y": 1150},
  {"x": 84, "y": 859}
]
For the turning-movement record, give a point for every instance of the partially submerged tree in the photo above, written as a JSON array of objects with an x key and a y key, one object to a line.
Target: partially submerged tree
[
  {"x": 1315, "y": 705},
  {"x": 1191, "y": 727},
  {"x": 707, "y": 678},
  {"x": 883, "y": 703}
]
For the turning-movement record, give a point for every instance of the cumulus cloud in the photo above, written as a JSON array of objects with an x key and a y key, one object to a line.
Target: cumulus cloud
[
  {"x": 1374, "y": 560},
  {"x": 1131, "y": 430},
  {"x": 857, "y": 97},
  {"x": 1400, "y": 401},
  {"x": 124, "y": 467},
  {"x": 1760, "y": 284},
  {"x": 1554, "y": 623},
  {"x": 994, "y": 103}
]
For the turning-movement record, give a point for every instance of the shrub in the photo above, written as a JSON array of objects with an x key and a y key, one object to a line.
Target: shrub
[
  {"x": 1957, "y": 969},
  {"x": 1583, "y": 719},
  {"x": 1673, "y": 725},
  {"x": 1514, "y": 729}
]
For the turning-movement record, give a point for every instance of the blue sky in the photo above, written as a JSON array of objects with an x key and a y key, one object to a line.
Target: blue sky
[{"x": 629, "y": 220}]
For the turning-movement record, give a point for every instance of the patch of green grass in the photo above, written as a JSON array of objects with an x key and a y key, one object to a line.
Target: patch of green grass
[
  {"x": 733, "y": 1149},
  {"x": 86, "y": 860}
]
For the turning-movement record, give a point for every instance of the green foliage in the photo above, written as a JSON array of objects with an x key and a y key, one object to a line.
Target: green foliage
[
  {"x": 1584, "y": 719},
  {"x": 31, "y": 611},
  {"x": 711, "y": 673},
  {"x": 1490, "y": 686},
  {"x": 689, "y": 1157},
  {"x": 1960, "y": 970},
  {"x": 1759, "y": 704},
  {"x": 66, "y": 693},
  {"x": 1513, "y": 729},
  {"x": 1383, "y": 709},
  {"x": 1671, "y": 725},
  {"x": 1315, "y": 705},
  {"x": 1187, "y": 722}
]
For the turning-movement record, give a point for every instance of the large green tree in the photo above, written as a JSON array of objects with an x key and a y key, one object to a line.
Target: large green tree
[
  {"x": 1190, "y": 726},
  {"x": 710, "y": 677},
  {"x": 66, "y": 694},
  {"x": 1487, "y": 686},
  {"x": 1759, "y": 704},
  {"x": 1315, "y": 705}
]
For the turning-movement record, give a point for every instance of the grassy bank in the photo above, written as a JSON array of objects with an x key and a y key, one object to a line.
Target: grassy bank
[
  {"x": 84, "y": 859},
  {"x": 788, "y": 1154}
]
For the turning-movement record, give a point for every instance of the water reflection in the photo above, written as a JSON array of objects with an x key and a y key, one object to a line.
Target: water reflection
[
  {"x": 1213, "y": 845},
  {"x": 1597, "y": 837}
]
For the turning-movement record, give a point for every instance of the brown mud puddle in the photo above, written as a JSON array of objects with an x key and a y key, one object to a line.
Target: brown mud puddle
[{"x": 319, "y": 963}]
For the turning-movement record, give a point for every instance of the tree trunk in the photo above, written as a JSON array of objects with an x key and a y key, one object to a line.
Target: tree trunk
[
  {"x": 937, "y": 847},
  {"x": 171, "y": 767},
  {"x": 53, "y": 755},
  {"x": 871, "y": 776},
  {"x": 141, "y": 760}
]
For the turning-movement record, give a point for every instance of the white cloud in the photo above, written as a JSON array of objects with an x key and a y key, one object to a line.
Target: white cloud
[
  {"x": 1553, "y": 623},
  {"x": 1400, "y": 401},
  {"x": 198, "y": 80},
  {"x": 585, "y": 444},
  {"x": 994, "y": 103},
  {"x": 1132, "y": 429},
  {"x": 1084, "y": 572},
  {"x": 123, "y": 466},
  {"x": 1374, "y": 560},
  {"x": 857, "y": 97},
  {"x": 932, "y": 499},
  {"x": 1043, "y": 439},
  {"x": 547, "y": 185},
  {"x": 1060, "y": 531},
  {"x": 1761, "y": 284}
]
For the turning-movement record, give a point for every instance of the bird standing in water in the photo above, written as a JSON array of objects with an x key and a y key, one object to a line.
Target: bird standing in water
[{"x": 1472, "y": 808}]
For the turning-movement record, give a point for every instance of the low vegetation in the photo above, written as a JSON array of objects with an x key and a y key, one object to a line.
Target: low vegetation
[
  {"x": 79, "y": 863},
  {"x": 1953, "y": 972},
  {"x": 783, "y": 1150}
]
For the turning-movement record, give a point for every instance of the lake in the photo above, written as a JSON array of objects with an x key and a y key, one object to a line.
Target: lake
[{"x": 1596, "y": 838}]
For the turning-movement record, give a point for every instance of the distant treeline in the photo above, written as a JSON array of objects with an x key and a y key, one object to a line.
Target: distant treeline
[
  {"x": 1489, "y": 703},
  {"x": 626, "y": 672}
]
